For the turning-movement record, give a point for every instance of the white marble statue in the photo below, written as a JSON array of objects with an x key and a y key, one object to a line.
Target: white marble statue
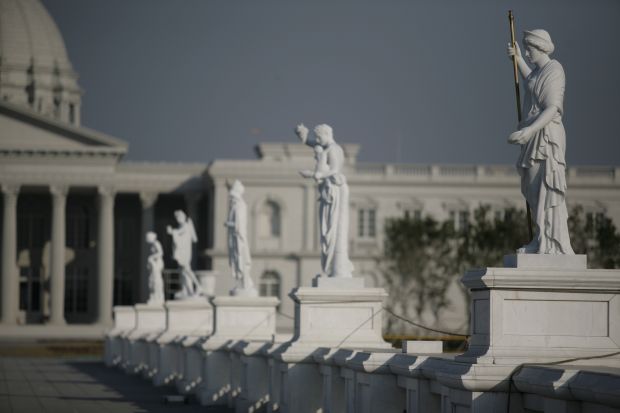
[
  {"x": 239, "y": 257},
  {"x": 182, "y": 239},
  {"x": 333, "y": 200},
  {"x": 155, "y": 266},
  {"x": 542, "y": 164}
]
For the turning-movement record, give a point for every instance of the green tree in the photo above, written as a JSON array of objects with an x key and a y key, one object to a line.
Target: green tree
[
  {"x": 417, "y": 267},
  {"x": 423, "y": 257}
]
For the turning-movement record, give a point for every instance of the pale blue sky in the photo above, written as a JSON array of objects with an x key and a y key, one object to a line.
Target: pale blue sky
[{"x": 412, "y": 81}]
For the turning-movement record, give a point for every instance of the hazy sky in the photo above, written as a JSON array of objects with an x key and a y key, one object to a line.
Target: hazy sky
[{"x": 412, "y": 81}]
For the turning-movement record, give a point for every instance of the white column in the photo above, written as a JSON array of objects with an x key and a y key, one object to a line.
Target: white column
[
  {"x": 10, "y": 277},
  {"x": 105, "y": 254},
  {"x": 57, "y": 279},
  {"x": 148, "y": 200}
]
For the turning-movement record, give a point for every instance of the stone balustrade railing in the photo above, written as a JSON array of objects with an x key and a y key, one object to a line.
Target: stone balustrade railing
[
  {"x": 545, "y": 337},
  {"x": 602, "y": 174}
]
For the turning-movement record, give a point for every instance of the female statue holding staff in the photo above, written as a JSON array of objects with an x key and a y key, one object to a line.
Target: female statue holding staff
[{"x": 542, "y": 164}]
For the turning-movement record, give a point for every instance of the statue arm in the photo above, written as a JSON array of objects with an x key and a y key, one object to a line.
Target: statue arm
[{"x": 543, "y": 119}]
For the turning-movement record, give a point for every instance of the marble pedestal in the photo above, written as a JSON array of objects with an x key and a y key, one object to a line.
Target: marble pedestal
[
  {"x": 336, "y": 313},
  {"x": 237, "y": 318},
  {"x": 185, "y": 318},
  {"x": 124, "y": 322},
  {"x": 541, "y": 308},
  {"x": 150, "y": 322}
]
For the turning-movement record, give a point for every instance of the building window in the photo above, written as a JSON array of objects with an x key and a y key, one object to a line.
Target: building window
[
  {"x": 76, "y": 289},
  {"x": 593, "y": 220},
  {"x": 460, "y": 220},
  {"x": 415, "y": 214},
  {"x": 270, "y": 220},
  {"x": 71, "y": 113},
  {"x": 270, "y": 284},
  {"x": 78, "y": 228},
  {"x": 30, "y": 289},
  {"x": 366, "y": 222}
]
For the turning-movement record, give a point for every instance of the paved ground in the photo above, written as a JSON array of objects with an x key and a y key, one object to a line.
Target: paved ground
[{"x": 33, "y": 385}]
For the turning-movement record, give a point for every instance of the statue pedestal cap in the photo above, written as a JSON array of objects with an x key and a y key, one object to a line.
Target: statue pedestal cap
[{"x": 543, "y": 308}]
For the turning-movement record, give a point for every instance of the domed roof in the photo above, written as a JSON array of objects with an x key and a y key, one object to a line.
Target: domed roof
[
  {"x": 35, "y": 70},
  {"x": 28, "y": 32}
]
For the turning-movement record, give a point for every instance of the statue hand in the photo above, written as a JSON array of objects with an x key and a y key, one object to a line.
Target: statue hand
[
  {"x": 306, "y": 173},
  {"x": 302, "y": 132},
  {"x": 318, "y": 176},
  {"x": 169, "y": 229},
  {"x": 513, "y": 51},
  {"x": 521, "y": 137}
]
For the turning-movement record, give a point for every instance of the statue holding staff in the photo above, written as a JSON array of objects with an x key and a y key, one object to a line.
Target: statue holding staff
[
  {"x": 183, "y": 237},
  {"x": 155, "y": 266},
  {"x": 541, "y": 163},
  {"x": 239, "y": 257},
  {"x": 333, "y": 200}
]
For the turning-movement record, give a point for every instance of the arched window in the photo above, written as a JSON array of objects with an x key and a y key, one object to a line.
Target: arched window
[
  {"x": 270, "y": 284},
  {"x": 269, "y": 220}
]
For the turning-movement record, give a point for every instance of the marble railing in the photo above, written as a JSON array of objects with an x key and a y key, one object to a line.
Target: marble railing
[
  {"x": 254, "y": 376},
  {"x": 603, "y": 174}
]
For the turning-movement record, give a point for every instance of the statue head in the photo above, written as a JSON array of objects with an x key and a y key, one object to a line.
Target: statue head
[
  {"x": 324, "y": 134},
  {"x": 151, "y": 237},
  {"x": 180, "y": 216},
  {"x": 236, "y": 189},
  {"x": 538, "y": 39}
]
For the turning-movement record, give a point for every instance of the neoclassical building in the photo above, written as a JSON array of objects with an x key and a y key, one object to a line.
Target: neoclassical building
[{"x": 74, "y": 213}]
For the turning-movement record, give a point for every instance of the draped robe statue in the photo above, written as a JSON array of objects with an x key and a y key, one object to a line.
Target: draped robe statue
[
  {"x": 239, "y": 257},
  {"x": 541, "y": 163},
  {"x": 333, "y": 200},
  {"x": 182, "y": 239},
  {"x": 155, "y": 266}
]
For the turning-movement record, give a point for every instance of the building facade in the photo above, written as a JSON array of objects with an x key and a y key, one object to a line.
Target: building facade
[{"x": 74, "y": 214}]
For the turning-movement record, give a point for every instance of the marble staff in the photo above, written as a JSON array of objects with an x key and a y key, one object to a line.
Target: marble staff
[
  {"x": 541, "y": 163},
  {"x": 511, "y": 20},
  {"x": 333, "y": 200}
]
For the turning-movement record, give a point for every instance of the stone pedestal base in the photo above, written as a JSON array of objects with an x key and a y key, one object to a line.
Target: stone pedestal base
[
  {"x": 124, "y": 323},
  {"x": 236, "y": 318},
  {"x": 150, "y": 322},
  {"x": 543, "y": 310},
  {"x": 338, "y": 313},
  {"x": 185, "y": 317}
]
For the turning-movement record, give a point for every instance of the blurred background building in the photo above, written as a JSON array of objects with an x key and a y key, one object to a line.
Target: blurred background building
[{"x": 74, "y": 213}]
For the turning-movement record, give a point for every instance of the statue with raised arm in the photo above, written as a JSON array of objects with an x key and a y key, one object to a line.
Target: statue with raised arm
[
  {"x": 183, "y": 237},
  {"x": 541, "y": 163},
  {"x": 333, "y": 200},
  {"x": 239, "y": 257},
  {"x": 155, "y": 266}
]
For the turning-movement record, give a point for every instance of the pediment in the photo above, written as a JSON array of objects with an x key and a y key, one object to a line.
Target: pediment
[{"x": 24, "y": 131}]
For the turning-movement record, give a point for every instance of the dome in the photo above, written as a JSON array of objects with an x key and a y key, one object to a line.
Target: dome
[{"x": 35, "y": 70}]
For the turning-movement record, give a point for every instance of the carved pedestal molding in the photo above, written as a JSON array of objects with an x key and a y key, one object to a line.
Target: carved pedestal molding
[
  {"x": 105, "y": 254},
  {"x": 10, "y": 279},
  {"x": 57, "y": 256}
]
